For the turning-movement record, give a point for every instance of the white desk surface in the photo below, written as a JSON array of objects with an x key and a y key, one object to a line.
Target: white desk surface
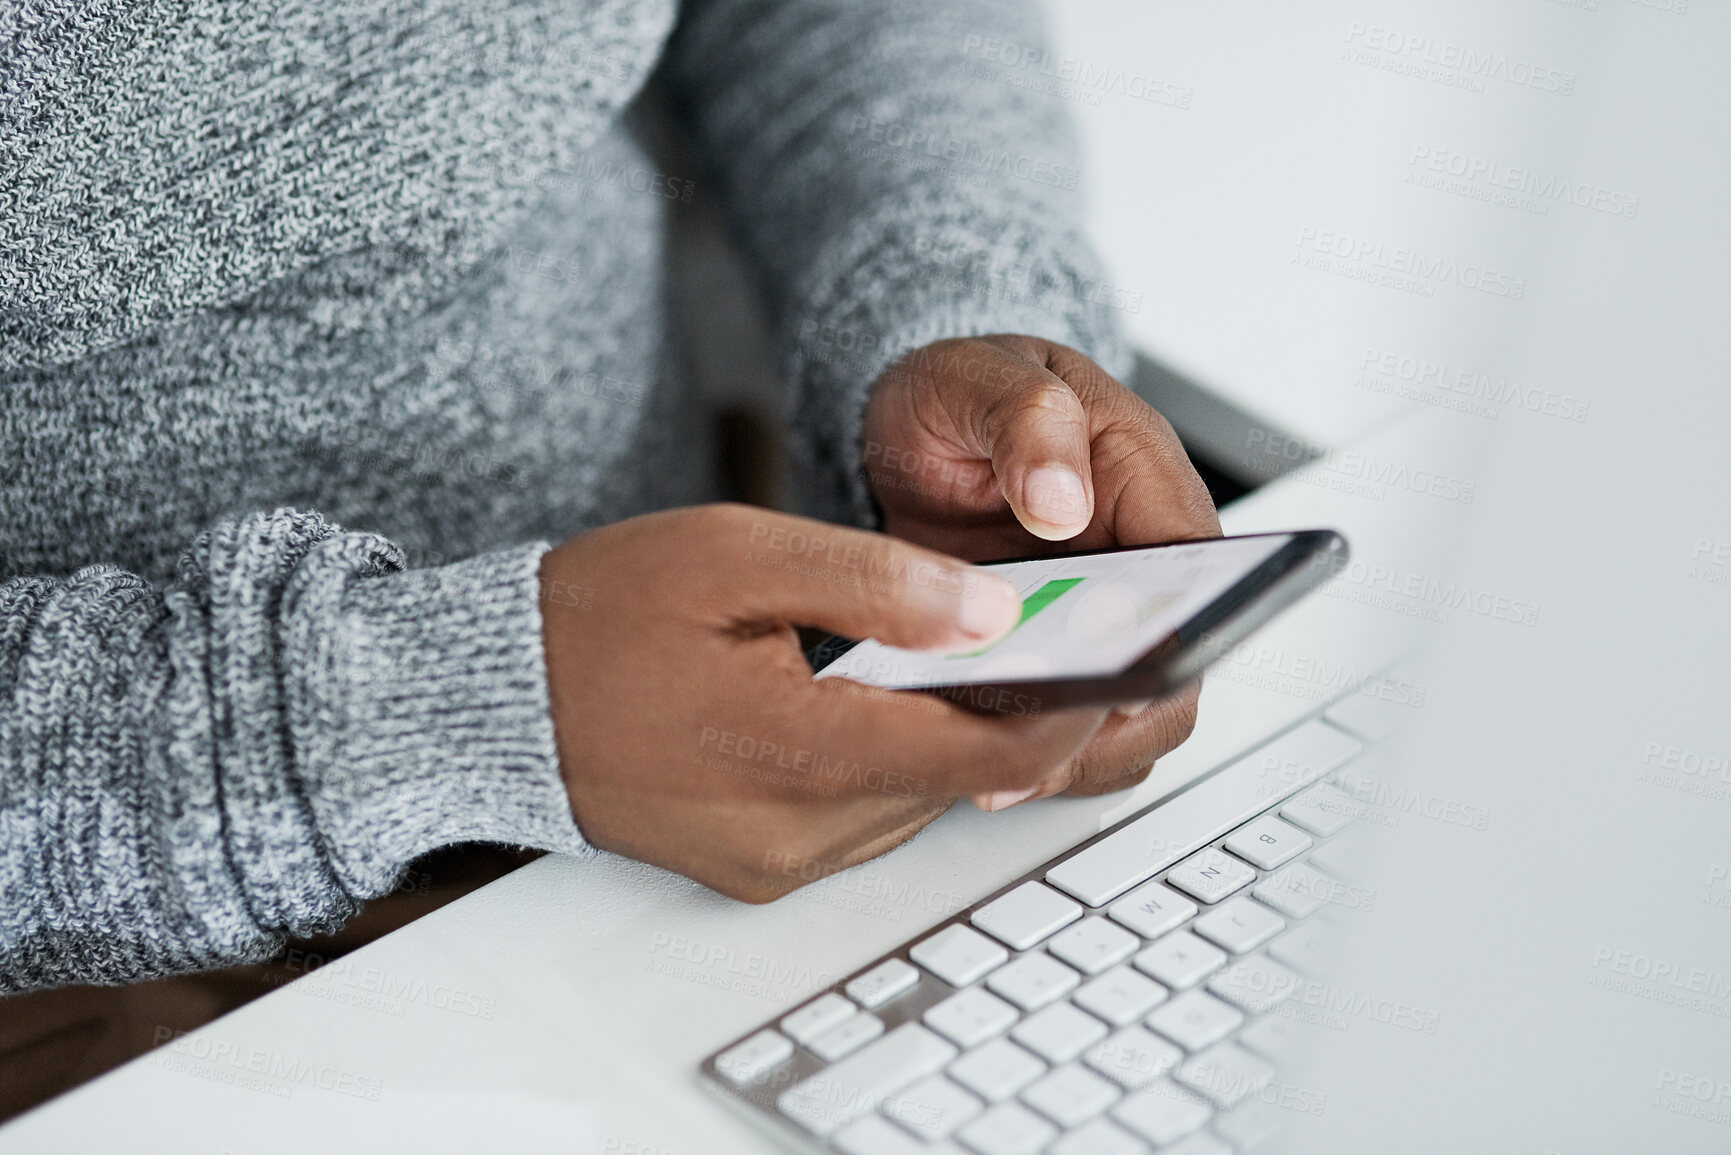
[{"x": 602, "y": 983}]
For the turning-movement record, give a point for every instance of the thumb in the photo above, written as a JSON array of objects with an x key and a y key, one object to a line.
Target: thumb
[
  {"x": 867, "y": 585},
  {"x": 1036, "y": 432}
]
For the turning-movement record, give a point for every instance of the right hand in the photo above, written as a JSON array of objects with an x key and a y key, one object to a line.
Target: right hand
[{"x": 691, "y": 734}]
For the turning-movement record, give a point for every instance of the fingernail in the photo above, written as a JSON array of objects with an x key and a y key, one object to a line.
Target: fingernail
[
  {"x": 1131, "y": 709},
  {"x": 1004, "y": 799},
  {"x": 990, "y": 607},
  {"x": 1055, "y": 495}
]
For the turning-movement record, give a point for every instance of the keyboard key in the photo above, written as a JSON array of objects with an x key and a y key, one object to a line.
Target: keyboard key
[
  {"x": 1201, "y": 1143},
  {"x": 1346, "y": 856},
  {"x": 997, "y": 1070},
  {"x": 1180, "y": 960},
  {"x": 1195, "y": 1020},
  {"x": 843, "y": 1091},
  {"x": 1099, "y": 1138},
  {"x": 1284, "y": 1040},
  {"x": 1250, "y": 1125},
  {"x": 1307, "y": 946},
  {"x": 1224, "y": 1074},
  {"x": 882, "y": 983},
  {"x": 846, "y": 1037},
  {"x": 1133, "y": 1057},
  {"x": 1268, "y": 842},
  {"x": 968, "y": 1018},
  {"x": 1255, "y": 984},
  {"x": 875, "y": 1135},
  {"x": 1210, "y": 875},
  {"x": 1239, "y": 925},
  {"x": 749, "y": 1061},
  {"x": 1121, "y": 996},
  {"x": 959, "y": 955},
  {"x": 1094, "y": 944},
  {"x": 1059, "y": 1033},
  {"x": 932, "y": 1107},
  {"x": 1152, "y": 909},
  {"x": 1322, "y": 810},
  {"x": 1033, "y": 981},
  {"x": 1026, "y": 915},
  {"x": 1297, "y": 891},
  {"x": 1070, "y": 1095},
  {"x": 1008, "y": 1129},
  {"x": 816, "y": 1017},
  {"x": 1163, "y": 1113},
  {"x": 1161, "y": 837}
]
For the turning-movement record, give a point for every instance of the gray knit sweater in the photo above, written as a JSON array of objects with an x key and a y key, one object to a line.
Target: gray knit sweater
[{"x": 269, "y": 270}]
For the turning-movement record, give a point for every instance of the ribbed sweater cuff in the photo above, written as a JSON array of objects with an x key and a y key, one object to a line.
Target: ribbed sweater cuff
[
  {"x": 444, "y": 734},
  {"x": 880, "y": 293}
]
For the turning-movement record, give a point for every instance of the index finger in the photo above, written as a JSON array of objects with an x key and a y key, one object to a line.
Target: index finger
[
  {"x": 1146, "y": 490},
  {"x": 908, "y": 743}
]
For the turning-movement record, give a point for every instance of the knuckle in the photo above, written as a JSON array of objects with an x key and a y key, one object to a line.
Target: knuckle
[
  {"x": 1044, "y": 398},
  {"x": 1081, "y": 769},
  {"x": 1129, "y": 778},
  {"x": 1175, "y": 721}
]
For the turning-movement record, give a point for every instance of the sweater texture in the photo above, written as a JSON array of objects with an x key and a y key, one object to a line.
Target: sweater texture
[{"x": 318, "y": 321}]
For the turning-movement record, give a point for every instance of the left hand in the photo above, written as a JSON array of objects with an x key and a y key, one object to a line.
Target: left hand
[{"x": 1006, "y": 446}]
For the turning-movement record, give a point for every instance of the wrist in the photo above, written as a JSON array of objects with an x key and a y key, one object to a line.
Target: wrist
[{"x": 428, "y": 723}]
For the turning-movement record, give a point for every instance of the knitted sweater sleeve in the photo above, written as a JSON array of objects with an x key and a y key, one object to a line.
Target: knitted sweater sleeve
[
  {"x": 189, "y": 774},
  {"x": 893, "y": 183}
]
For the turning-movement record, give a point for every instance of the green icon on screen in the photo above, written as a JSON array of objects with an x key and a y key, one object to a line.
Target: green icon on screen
[{"x": 1031, "y": 605}]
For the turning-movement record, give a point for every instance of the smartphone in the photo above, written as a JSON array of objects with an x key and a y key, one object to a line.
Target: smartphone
[{"x": 1107, "y": 626}]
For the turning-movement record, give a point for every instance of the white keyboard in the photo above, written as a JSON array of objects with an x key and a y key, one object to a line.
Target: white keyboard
[{"x": 1119, "y": 999}]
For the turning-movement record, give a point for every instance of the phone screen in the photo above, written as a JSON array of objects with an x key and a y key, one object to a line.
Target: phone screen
[{"x": 1083, "y": 616}]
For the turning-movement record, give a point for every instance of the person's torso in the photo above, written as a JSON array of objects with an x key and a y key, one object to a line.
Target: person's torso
[{"x": 399, "y": 263}]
